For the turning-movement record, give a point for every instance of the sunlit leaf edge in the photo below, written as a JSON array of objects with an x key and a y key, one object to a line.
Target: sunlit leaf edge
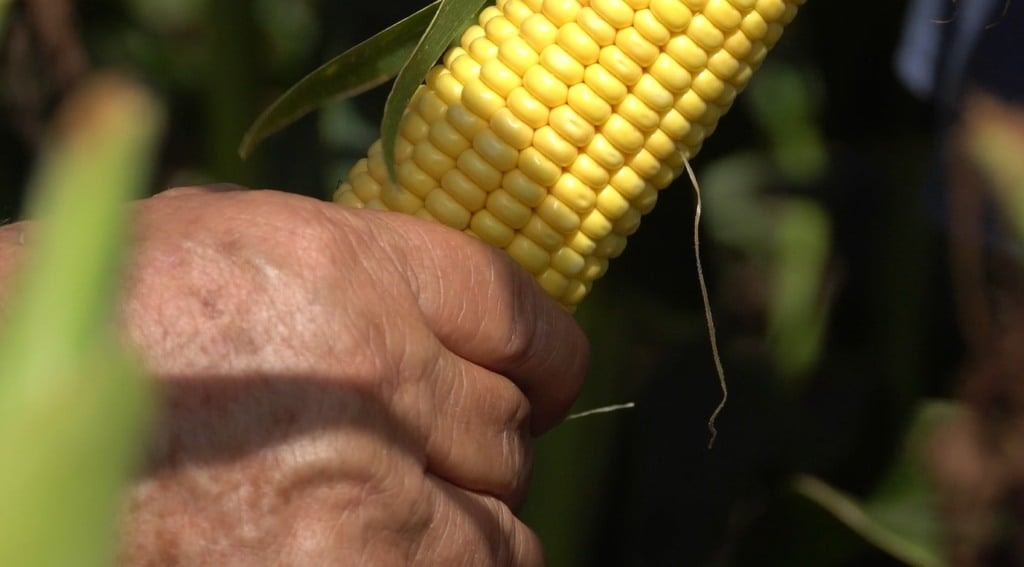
[
  {"x": 357, "y": 70},
  {"x": 451, "y": 19},
  {"x": 863, "y": 516}
]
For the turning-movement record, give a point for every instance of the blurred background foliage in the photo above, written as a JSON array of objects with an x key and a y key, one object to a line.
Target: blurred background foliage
[{"x": 845, "y": 322}]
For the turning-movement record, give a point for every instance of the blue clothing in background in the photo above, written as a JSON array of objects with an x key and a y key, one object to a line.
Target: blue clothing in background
[{"x": 948, "y": 46}]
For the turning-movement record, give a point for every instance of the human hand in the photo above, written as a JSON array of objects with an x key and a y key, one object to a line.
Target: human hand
[{"x": 339, "y": 386}]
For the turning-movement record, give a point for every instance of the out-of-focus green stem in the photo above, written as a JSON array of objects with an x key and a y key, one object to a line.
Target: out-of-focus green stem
[
  {"x": 72, "y": 403},
  {"x": 230, "y": 86}
]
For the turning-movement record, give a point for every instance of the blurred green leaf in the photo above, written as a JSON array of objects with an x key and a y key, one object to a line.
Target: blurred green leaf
[
  {"x": 365, "y": 66},
  {"x": 797, "y": 306},
  {"x": 785, "y": 100},
  {"x": 734, "y": 211},
  {"x": 901, "y": 516},
  {"x": 72, "y": 404},
  {"x": 790, "y": 239},
  {"x": 451, "y": 19}
]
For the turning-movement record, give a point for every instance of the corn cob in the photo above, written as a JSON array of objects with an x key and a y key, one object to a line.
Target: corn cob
[{"x": 549, "y": 130}]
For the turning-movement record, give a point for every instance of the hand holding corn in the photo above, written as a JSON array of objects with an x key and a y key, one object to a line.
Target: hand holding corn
[
  {"x": 331, "y": 392},
  {"x": 550, "y": 129}
]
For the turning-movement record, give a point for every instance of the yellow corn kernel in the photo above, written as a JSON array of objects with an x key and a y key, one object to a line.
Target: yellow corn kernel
[
  {"x": 573, "y": 192},
  {"x": 516, "y": 12},
  {"x": 538, "y": 167},
  {"x": 482, "y": 49},
  {"x": 594, "y": 268},
  {"x": 446, "y": 138},
  {"x": 558, "y": 215},
  {"x": 575, "y": 293},
  {"x": 637, "y": 113},
  {"x": 623, "y": 134},
  {"x": 523, "y": 188},
  {"x": 604, "y": 153},
  {"x": 488, "y": 14},
  {"x": 512, "y": 130},
  {"x": 447, "y": 87},
  {"x": 538, "y": 31},
  {"x": 500, "y": 29},
  {"x": 463, "y": 119},
  {"x": 517, "y": 54},
  {"x": 499, "y": 77},
  {"x": 464, "y": 190},
  {"x": 578, "y": 43},
  {"x": 723, "y": 15},
  {"x": 508, "y": 209},
  {"x": 673, "y": 14},
  {"x": 587, "y": 170},
  {"x": 647, "y": 24},
  {"x": 545, "y": 86},
  {"x": 464, "y": 68},
  {"x": 568, "y": 262},
  {"x": 611, "y": 203},
  {"x": 571, "y": 126},
  {"x": 553, "y": 282},
  {"x": 562, "y": 65},
  {"x": 479, "y": 99},
  {"x": 619, "y": 64},
  {"x": 561, "y": 12},
  {"x": 539, "y": 231},
  {"x": 527, "y": 108},
  {"x": 588, "y": 104},
  {"x": 412, "y": 178},
  {"x": 554, "y": 146},
  {"x": 431, "y": 160},
  {"x": 628, "y": 223},
  {"x": 550, "y": 129},
  {"x": 490, "y": 229},
  {"x": 530, "y": 256},
  {"x": 596, "y": 27},
  {"x": 493, "y": 149},
  {"x": 582, "y": 243},
  {"x": 636, "y": 46},
  {"x": 605, "y": 84},
  {"x": 653, "y": 94},
  {"x": 446, "y": 209},
  {"x": 479, "y": 170},
  {"x": 615, "y": 12},
  {"x": 396, "y": 198}
]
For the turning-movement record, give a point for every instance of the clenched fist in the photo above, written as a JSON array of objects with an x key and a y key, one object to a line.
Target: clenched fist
[{"x": 337, "y": 386}]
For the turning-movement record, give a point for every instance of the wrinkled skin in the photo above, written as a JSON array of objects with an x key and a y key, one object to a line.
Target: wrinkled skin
[{"x": 338, "y": 386}]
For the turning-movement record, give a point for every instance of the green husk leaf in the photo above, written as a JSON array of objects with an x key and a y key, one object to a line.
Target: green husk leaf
[
  {"x": 361, "y": 68},
  {"x": 452, "y": 18}
]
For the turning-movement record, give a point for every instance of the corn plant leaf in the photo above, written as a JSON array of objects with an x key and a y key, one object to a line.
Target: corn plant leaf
[
  {"x": 72, "y": 403},
  {"x": 451, "y": 19},
  {"x": 357, "y": 70},
  {"x": 900, "y": 518}
]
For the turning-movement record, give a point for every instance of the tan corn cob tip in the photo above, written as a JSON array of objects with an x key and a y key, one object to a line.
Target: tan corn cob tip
[{"x": 549, "y": 131}]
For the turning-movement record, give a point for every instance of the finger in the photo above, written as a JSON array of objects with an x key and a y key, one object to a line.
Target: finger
[
  {"x": 488, "y": 310},
  {"x": 476, "y": 424},
  {"x": 470, "y": 529}
]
